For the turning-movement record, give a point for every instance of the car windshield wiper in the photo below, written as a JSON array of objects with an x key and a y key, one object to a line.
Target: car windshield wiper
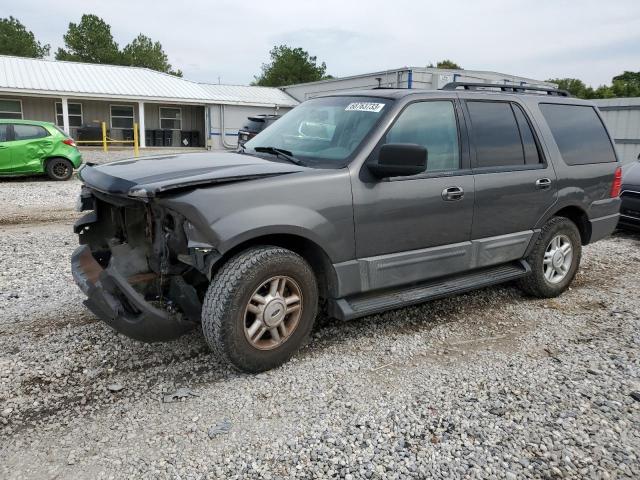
[{"x": 279, "y": 152}]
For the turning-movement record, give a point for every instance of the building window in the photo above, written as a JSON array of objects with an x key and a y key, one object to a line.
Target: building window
[
  {"x": 10, "y": 108},
  {"x": 121, "y": 116},
  {"x": 75, "y": 114},
  {"x": 170, "y": 118}
]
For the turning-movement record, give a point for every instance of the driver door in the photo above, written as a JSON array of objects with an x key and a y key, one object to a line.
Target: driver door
[{"x": 418, "y": 227}]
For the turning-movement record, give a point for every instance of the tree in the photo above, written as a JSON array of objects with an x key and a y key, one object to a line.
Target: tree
[
  {"x": 289, "y": 66},
  {"x": 144, "y": 52},
  {"x": 16, "y": 40},
  {"x": 626, "y": 84},
  {"x": 574, "y": 86},
  {"x": 90, "y": 41},
  {"x": 448, "y": 64}
]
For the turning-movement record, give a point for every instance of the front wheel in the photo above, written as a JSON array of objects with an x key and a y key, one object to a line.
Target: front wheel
[
  {"x": 260, "y": 308},
  {"x": 59, "y": 169},
  {"x": 554, "y": 259}
]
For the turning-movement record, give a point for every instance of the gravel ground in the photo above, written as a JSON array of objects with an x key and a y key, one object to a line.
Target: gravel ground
[
  {"x": 485, "y": 385},
  {"x": 488, "y": 384}
]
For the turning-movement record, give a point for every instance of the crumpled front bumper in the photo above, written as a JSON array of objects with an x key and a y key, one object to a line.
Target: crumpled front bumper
[{"x": 116, "y": 302}]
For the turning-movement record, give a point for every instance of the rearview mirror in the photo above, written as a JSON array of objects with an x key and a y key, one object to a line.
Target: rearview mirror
[{"x": 399, "y": 160}]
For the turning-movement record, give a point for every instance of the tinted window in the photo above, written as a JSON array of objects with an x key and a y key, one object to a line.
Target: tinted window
[
  {"x": 433, "y": 125},
  {"x": 4, "y": 133},
  {"x": 496, "y": 134},
  {"x": 529, "y": 146},
  {"x": 579, "y": 134},
  {"x": 28, "y": 132}
]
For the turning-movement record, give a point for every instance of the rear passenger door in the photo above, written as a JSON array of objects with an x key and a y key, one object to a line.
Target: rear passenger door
[
  {"x": 515, "y": 185},
  {"x": 5, "y": 152},
  {"x": 31, "y": 143}
]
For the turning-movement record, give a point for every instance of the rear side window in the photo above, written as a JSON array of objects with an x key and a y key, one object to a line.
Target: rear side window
[
  {"x": 529, "y": 146},
  {"x": 4, "y": 133},
  {"x": 28, "y": 132},
  {"x": 502, "y": 135},
  {"x": 579, "y": 133}
]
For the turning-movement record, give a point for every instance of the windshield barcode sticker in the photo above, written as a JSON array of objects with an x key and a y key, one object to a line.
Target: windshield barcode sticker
[{"x": 364, "y": 107}]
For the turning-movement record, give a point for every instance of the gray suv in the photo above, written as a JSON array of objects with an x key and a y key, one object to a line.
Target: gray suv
[{"x": 357, "y": 203}]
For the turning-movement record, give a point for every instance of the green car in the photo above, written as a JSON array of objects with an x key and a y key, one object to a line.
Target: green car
[{"x": 29, "y": 147}]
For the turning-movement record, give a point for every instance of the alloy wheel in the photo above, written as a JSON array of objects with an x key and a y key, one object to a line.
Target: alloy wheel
[
  {"x": 558, "y": 258},
  {"x": 273, "y": 312}
]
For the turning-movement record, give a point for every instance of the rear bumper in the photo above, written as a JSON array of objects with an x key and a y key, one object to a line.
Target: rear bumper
[
  {"x": 114, "y": 301},
  {"x": 630, "y": 208},
  {"x": 74, "y": 156},
  {"x": 627, "y": 221},
  {"x": 602, "y": 227}
]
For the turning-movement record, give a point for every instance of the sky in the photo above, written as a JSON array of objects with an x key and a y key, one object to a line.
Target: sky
[{"x": 226, "y": 41}]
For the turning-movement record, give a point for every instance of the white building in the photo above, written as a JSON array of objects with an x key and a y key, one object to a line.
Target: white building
[
  {"x": 622, "y": 116},
  {"x": 170, "y": 110}
]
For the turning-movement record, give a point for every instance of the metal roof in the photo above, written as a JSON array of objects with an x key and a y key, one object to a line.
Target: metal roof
[
  {"x": 485, "y": 74},
  {"x": 250, "y": 95},
  {"x": 74, "y": 79}
]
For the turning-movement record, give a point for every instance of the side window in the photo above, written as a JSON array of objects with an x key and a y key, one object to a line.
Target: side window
[
  {"x": 496, "y": 134},
  {"x": 529, "y": 146},
  {"x": 28, "y": 132},
  {"x": 433, "y": 125},
  {"x": 579, "y": 133},
  {"x": 4, "y": 133}
]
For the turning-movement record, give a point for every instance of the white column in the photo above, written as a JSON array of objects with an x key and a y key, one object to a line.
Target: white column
[
  {"x": 142, "y": 138},
  {"x": 65, "y": 116}
]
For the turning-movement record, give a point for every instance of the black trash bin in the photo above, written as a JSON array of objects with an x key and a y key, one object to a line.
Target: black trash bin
[
  {"x": 195, "y": 138},
  {"x": 148, "y": 138},
  {"x": 157, "y": 138},
  {"x": 90, "y": 133},
  {"x": 127, "y": 134},
  {"x": 167, "y": 136},
  {"x": 186, "y": 138}
]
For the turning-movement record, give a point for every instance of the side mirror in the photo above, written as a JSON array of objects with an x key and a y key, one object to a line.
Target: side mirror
[{"x": 399, "y": 160}]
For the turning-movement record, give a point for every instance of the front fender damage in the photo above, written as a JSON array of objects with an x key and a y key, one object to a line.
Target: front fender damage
[{"x": 131, "y": 265}]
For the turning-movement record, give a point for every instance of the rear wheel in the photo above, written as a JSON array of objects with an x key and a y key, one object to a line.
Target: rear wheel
[
  {"x": 260, "y": 308},
  {"x": 554, "y": 259},
  {"x": 59, "y": 169}
]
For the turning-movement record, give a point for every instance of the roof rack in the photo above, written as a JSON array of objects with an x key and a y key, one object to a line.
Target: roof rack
[{"x": 507, "y": 88}]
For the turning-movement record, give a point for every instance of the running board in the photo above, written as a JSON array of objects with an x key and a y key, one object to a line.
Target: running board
[{"x": 376, "y": 302}]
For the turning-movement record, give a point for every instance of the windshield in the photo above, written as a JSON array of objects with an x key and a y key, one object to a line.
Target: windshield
[{"x": 323, "y": 131}]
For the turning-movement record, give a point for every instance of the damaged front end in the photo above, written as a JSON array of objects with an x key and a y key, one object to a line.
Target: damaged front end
[{"x": 136, "y": 268}]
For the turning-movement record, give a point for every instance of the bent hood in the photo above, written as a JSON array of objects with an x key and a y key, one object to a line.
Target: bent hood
[{"x": 150, "y": 176}]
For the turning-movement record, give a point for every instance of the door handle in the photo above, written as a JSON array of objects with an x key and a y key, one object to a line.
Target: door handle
[
  {"x": 543, "y": 183},
  {"x": 451, "y": 194}
]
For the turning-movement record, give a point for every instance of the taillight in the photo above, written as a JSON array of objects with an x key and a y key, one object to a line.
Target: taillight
[
  {"x": 69, "y": 141},
  {"x": 617, "y": 183}
]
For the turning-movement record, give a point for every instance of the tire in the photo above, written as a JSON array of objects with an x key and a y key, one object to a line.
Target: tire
[
  {"x": 538, "y": 284},
  {"x": 229, "y": 311},
  {"x": 59, "y": 169}
]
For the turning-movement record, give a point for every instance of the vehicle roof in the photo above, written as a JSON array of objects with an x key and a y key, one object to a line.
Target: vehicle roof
[
  {"x": 26, "y": 122},
  {"x": 398, "y": 93}
]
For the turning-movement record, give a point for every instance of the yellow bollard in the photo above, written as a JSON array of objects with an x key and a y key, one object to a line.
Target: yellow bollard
[
  {"x": 104, "y": 136},
  {"x": 135, "y": 140}
]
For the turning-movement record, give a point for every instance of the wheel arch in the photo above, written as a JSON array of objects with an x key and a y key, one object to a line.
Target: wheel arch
[
  {"x": 580, "y": 218},
  {"x": 47, "y": 159},
  {"x": 313, "y": 253}
]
